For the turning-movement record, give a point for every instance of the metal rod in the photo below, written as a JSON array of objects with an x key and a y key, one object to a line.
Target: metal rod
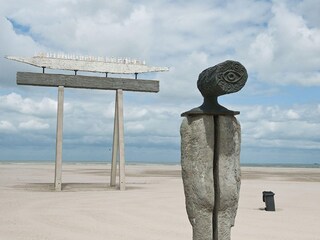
[
  {"x": 43, "y": 68},
  {"x": 106, "y": 74},
  {"x": 75, "y": 72},
  {"x": 136, "y": 75}
]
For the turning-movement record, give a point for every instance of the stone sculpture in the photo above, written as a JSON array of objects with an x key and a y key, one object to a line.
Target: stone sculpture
[{"x": 210, "y": 154}]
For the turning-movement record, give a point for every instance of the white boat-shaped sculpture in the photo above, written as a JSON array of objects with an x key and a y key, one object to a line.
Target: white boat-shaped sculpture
[{"x": 88, "y": 63}]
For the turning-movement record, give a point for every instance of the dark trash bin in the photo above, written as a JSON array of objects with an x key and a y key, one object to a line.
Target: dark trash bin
[{"x": 268, "y": 198}]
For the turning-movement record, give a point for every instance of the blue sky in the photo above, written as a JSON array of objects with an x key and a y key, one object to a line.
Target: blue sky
[{"x": 277, "y": 41}]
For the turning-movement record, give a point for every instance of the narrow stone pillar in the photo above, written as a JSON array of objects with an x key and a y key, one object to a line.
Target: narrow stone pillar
[
  {"x": 210, "y": 154},
  {"x": 228, "y": 175},
  {"x": 197, "y": 144},
  {"x": 211, "y": 210}
]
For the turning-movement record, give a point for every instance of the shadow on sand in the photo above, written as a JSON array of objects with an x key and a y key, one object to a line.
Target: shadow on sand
[{"x": 70, "y": 187}]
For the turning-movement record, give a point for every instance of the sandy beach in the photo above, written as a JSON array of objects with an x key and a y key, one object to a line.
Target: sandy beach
[{"x": 151, "y": 208}]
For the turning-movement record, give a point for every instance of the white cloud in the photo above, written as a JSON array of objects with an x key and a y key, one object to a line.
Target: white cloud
[
  {"x": 292, "y": 114},
  {"x": 309, "y": 10},
  {"x": 263, "y": 49},
  {"x": 6, "y": 126},
  {"x": 272, "y": 126},
  {"x": 278, "y": 42},
  {"x": 34, "y": 125},
  {"x": 135, "y": 113},
  {"x": 288, "y": 51},
  {"x": 132, "y": 127},
  {"x": 15, "y": 102}
]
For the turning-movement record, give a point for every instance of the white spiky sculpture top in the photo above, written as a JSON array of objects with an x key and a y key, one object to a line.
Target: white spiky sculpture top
[{"x": 88, "y": 63}]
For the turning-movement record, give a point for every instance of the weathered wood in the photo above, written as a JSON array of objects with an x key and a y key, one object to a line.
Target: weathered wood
[
  {"x": 122, "y": 177},
  {"x": 104, "y": 83},
  {"x": 89, "y": 82},
  {"x": 118, "y": 143},
  {"x": 115, "y": 145},
  {"x": 58, "y": 164},
  {"x": 88, "y": 64}
]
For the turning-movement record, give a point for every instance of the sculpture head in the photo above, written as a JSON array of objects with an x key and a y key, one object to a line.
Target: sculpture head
[{"x": 223, "y": 78}]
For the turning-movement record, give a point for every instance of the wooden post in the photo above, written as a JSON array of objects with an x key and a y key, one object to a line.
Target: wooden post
[
  {"x": 118, "y": 143},
  {"x": 115, "y": 145},
  {"x": 122, "y": 177},
  {"x": 58, "y": 165},
  {"x": 77, "y": 81}
]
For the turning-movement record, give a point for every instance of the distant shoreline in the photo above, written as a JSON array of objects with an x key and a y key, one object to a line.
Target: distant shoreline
[{"x": 274, "y": 165}]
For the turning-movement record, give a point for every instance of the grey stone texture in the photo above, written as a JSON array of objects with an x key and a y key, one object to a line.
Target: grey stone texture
[{"x": 211, "y": 174}]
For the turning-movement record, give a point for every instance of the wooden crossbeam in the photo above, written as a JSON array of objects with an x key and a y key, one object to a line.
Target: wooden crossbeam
[
  {"x": 104, "y": 83},
  {"x": 89, "y": 82}
]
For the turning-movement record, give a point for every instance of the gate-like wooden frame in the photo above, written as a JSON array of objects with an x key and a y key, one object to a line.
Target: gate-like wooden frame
[{"x": 89, "y": 82}]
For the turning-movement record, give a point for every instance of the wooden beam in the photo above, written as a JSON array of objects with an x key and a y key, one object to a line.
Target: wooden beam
[
  {"x": 122, "y": 177},
  {"x": 58, "y": 165},
  {"x": 89, "y": 82},
  {"x": 115, "y": 145}
]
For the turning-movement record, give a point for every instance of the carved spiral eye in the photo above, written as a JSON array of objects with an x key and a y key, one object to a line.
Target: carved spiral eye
[{"x": 231, "y": 76}]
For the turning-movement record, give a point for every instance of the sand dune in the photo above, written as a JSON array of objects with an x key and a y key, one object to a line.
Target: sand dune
[{"x": 152, "y": 207}]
